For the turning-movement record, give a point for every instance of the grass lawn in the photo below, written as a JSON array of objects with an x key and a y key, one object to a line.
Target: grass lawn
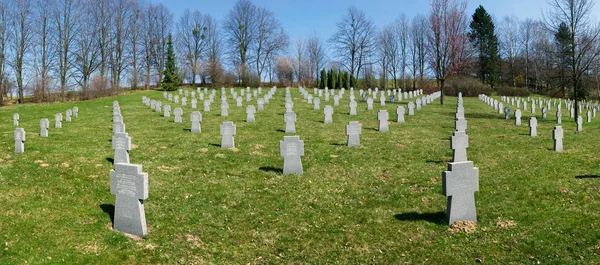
[{"x": 379, "y": 203}]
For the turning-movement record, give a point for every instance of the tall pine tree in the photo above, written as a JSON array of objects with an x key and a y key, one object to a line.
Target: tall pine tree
[
  {"x": 482, "y": 36},
  {"x": 323, "y": 81},
  {"x": 170, "y": 80}
]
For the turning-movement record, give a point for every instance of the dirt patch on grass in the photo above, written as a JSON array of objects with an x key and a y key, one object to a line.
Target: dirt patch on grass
[
  {"x": 256, "y": 153},
  {"x": 163, "y": 168},
  {"x": 400, "y": 146},
  {"x": 134, "y": 146},
  {"x": 233, "y": 149},
  {"x": 259, "y": 146},
  {"x": 564, "y": 190},
  {"x": 220, "y": 155},
  {"x": 36, "y": 161},
  {"x": 65, "y": 164},
  {"x": 203, "y": 150},
  {"x": 44, "y": 165},
  {"x": 505, "y": 224},
  {"x": 466, "y": 227},
  {"x": 333, "y": 156}
]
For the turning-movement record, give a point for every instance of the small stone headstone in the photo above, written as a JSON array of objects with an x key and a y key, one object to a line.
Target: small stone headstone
[
  {"x": 250, "y": 110},
  {"x": 184, "y": 101},
  {"x": 459, "y": 144},
  {"x": 544, "y": 113},
  {"x": 382, "y": 99},
  {"x": 411, "y": 108},
  {"x": 224, "y": 109},
  {"x": 58, "y": 120},
  {"x": 130, "y": 185},
  {"x": 194, "y": 103},
  {"x": 336, "y": 100},
  {"x": 290, "y": 122},
  {"x": 207, "y": 105},
  {"x": 317, "y": 103},
  {"x": 167, "y": 111},
  {"x": 400, "y": 112},
  {"x": 19, "y": 140},
  {"x": 68, "y": 114},
  {"x": 178, "y": 112},
  {"x": 75, "y": 112},
  {"x": 557, "y": 135},
  {"x": 353, "y": 106},
  {"x": 121, "y": 143},
  {"x": 507, "y": 113},
  {"x": 44, "y": 125},
  {"x": 533, "y": 126},
  {"x": 459, "y": 184},
  {"x": 291, "y": 148},
  {"x": 383, "y": 117},
  {"x": 238, "y": 101},
  {"x": 16, "y": 119},
  {"x": 353, "y": 131},
  {"x": 579, "y": 124},
  {"x": 196, "y": 119},
  {"x": 261, "y": 104},
  {"x": 369, "y": 104},
  {"x": 558, "y": 116},
  {"x": 227, "y": 134},
  {"x": 589, "y": 116},
  {"x": 518, "y": 117},
  {"x": 328, "y": 111}
]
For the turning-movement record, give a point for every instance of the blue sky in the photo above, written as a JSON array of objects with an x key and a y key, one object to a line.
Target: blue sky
[{"x": 303, "y": 18}]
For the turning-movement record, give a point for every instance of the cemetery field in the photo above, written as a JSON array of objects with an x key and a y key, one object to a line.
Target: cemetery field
[{"x": 379, "y": 203}]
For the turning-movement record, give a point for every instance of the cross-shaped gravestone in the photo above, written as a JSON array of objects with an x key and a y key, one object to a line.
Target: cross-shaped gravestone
[
  {"x": 392, "y": 98},
  {"x": 19, "y": 140},
  {"x": 130, "y": 185},
  {"x": 178, "y": 112},
  {"x": 557, "y": 135},
  {"x": 16, "y": 119},
  {"x": 383, "y": 117},
  {"x": 68, "y": 114},
  {"x": 184, "y": 101},
  {"x": 328, "y": 111},
  {"x": 459, "y": 184},
  {"x": 589, "y": 116},
  {"x": 121, "y": 143},
  {"x": 336, "y": 100},
  {"x": 227, "y": 135},
  {"x": 370, "y": 104},
  {"x": 75, "y": 112},
  {"x": 460, "y": 112},
  {"x": 207, "y": 105},
  {"x": 533, "y": 126},
  {"x": 289, "y": 107},
  {"x": 165, "y": 95},
  {"x": 382, "y": 99},
  {"x": 500, "y": 108},
  {"x": 353, "y": 131},
  {"x": 579, "y": 124},
  {"x": 196, "y": 118},
  {"x": 418, "y": 103},
  {"x": 58, "y": 120},
  {"x": 157, "y": 106},
  {"x": 170, "y": 96},
  {"x": 558, "y": 116},
  {"x": 176, "y": 99},
  {"x": 411, "y": 108},
  {"x": 167, "y": 111},
  {"x": 224, "y": 109},
  {"x": 250, "y": 110},
  {"x": 194, "y": 103},
  {"x": 400, "y": 112},
  {"x": 317, "y": 103},
  {"x": 459, "y": 144},
  {"x": 261, "y": 104},
  {"x": 353, "y": 106},
  {"x": 44, "y": 124},
  {"x": 507, "y": 113},
  {"x": 118, "y": 127},
  {"x": 518, "y": 117},
  {"x": 238, "y": 101},
  {"x": 180, "y": 91},
  {"x": 544, "y": 113},
  {"x": 291, "y": 148},
  {"x": 290, "y": 122},
  {"x": 248, "y": 97}
]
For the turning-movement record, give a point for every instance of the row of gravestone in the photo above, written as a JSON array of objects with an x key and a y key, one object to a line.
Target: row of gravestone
[
  {"x": 549, "y": 103},
  {"x": 591, "y": 110},
  {"x": 19, "y": 134},
  {"x": 557, "y": 132}
]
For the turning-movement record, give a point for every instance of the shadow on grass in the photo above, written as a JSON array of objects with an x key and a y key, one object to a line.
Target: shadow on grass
[
  {"x": 280, "y": 130},
  {"x": 110, "y": 210},
  {"x": 187, "y": 130},
  {"x": 587, "y": 177},
  {"x": 438, "y": 161},
  {"x": 271, "y": 169},
  {"x": 110, "y": 160},
  {"x": 215, "y": 145},
  {"x": 437, "y": 218},
  {"x": 336, "y": 144}
]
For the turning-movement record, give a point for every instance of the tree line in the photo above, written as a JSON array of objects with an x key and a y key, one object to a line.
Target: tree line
[{"x": 51, "y": 49}]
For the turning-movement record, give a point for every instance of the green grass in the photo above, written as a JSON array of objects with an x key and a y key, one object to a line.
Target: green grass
[{"x": 378, "y": 203}]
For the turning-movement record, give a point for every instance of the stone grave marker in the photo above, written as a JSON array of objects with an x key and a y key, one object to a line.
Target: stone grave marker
[
  {"x": 196, "y": 119},
  {"x": 19, "y": 140},
  {"x": 518, "y": 117},
  {"x": 400, "y": 112},
  {"x": 370, "y": 104},
  {"x": 459, "y": 144},
  {"x": 291, "y": 148},
  {"x": 224, "y": 109},
  {"x": 507, "y": 113},
  {"x": 557, "y": 135},
  {"x": 533, "y": 126},
  {"x": 418, "y": 103},
  {"x": 176, "y": 99},
  {"x": 558, "y": 116},
  {"x": 68, "y": 114},
  {"x": 121, "y": 143},
  {"x": 579, "y": 124},
  {"x": 317, "y": 103},
  {"x": 383, "y": 117},
  {"x": 250, "y": 110},
  {"x": 184, "y": 101},
  {"x": 130, "y": 185},
  {"x": 16, "y": 119},
  {"x": 238, "y": 101},
  {"x": 75, "y": 112},
  {"x": 459, "y": 184},
  {"x": 167, "y": 111},
  {"x": 544, "y": 113},
  {"x": 261, "y": 104},
  {"x": 353, "y": 131},
  {"x": 589, "y": 116},
  {"x": 44, "y": 125},
  {"x": 353, "y": 105},
  {"x": 58, "y": 120},
  {"x": 194, "y": 103},
  {"x": 227, "y": 135},
  {"x": 178, "y": 112},
  {"x": 382, "y": 99},
  {"x": 328, "y": 111},
  {"x": 411, "y": 108},
  {"x": 290, "y": 122},
  {"x": 207, "y": 105},
  {"x": 336, "y": 101}
]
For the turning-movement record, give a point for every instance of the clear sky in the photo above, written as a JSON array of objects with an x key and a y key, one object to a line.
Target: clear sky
[{"x": 303, "y": 18}]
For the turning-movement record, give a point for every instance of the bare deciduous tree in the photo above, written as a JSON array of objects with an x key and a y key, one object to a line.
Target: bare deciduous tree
[
  {"x": 317, "y": 56},
  {"x": 417, "y": 48},
  {"x": 402, "y": 27},
  {"x": 240, "y": 29},
  {"x": 192, "y": 39},
  {"x": 583, "y": 40},
  {"x": 22, "y": 33},
  {"x": 270, "y": 39},
  {"x": 86, "y": 49}
]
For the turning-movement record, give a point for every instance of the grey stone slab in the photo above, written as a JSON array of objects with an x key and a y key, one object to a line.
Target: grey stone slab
[
  {"x": 58, "y": 120},
  {"x": 178, "y": 112},
  {"x": 290, "y": 122},
  {"x": 353, "y": 105},
  {"x": 317, "y": 104},
  {"x": 44, "y": 125},
  {"x": 19, "y": 140},
  {"x": 533, "y": 126},
  {"x": 196, "y": 119},
  {"x": 460, "y": 125},
  {"x": 250, "y": 111},
  {"x": 369, "y": 104},
  {"x": 224, "y": 109},
  {"x": 411, "y": 108},
  {"x": 75, "y": 112},
  {"x": 518, "y": 117},
  {"x": 328, "y": 112},
  {"x": 400, "y": 111},
  {"x": 228, "y": 132},
  {"x": 353, "y": 131},
  {"x": 579, "y": 124},
  {"x": 383, "y": 117},
  {"x": 16, "y": 119},
  {"x": 130, "y": 185},
  {"x": 459, "y": 144},
  {"x": 121, "y": 143},
  {"x": 459, "y": 184},
  {"x": 557, "y": 135},
  {"x": 292, "y": 148}
]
